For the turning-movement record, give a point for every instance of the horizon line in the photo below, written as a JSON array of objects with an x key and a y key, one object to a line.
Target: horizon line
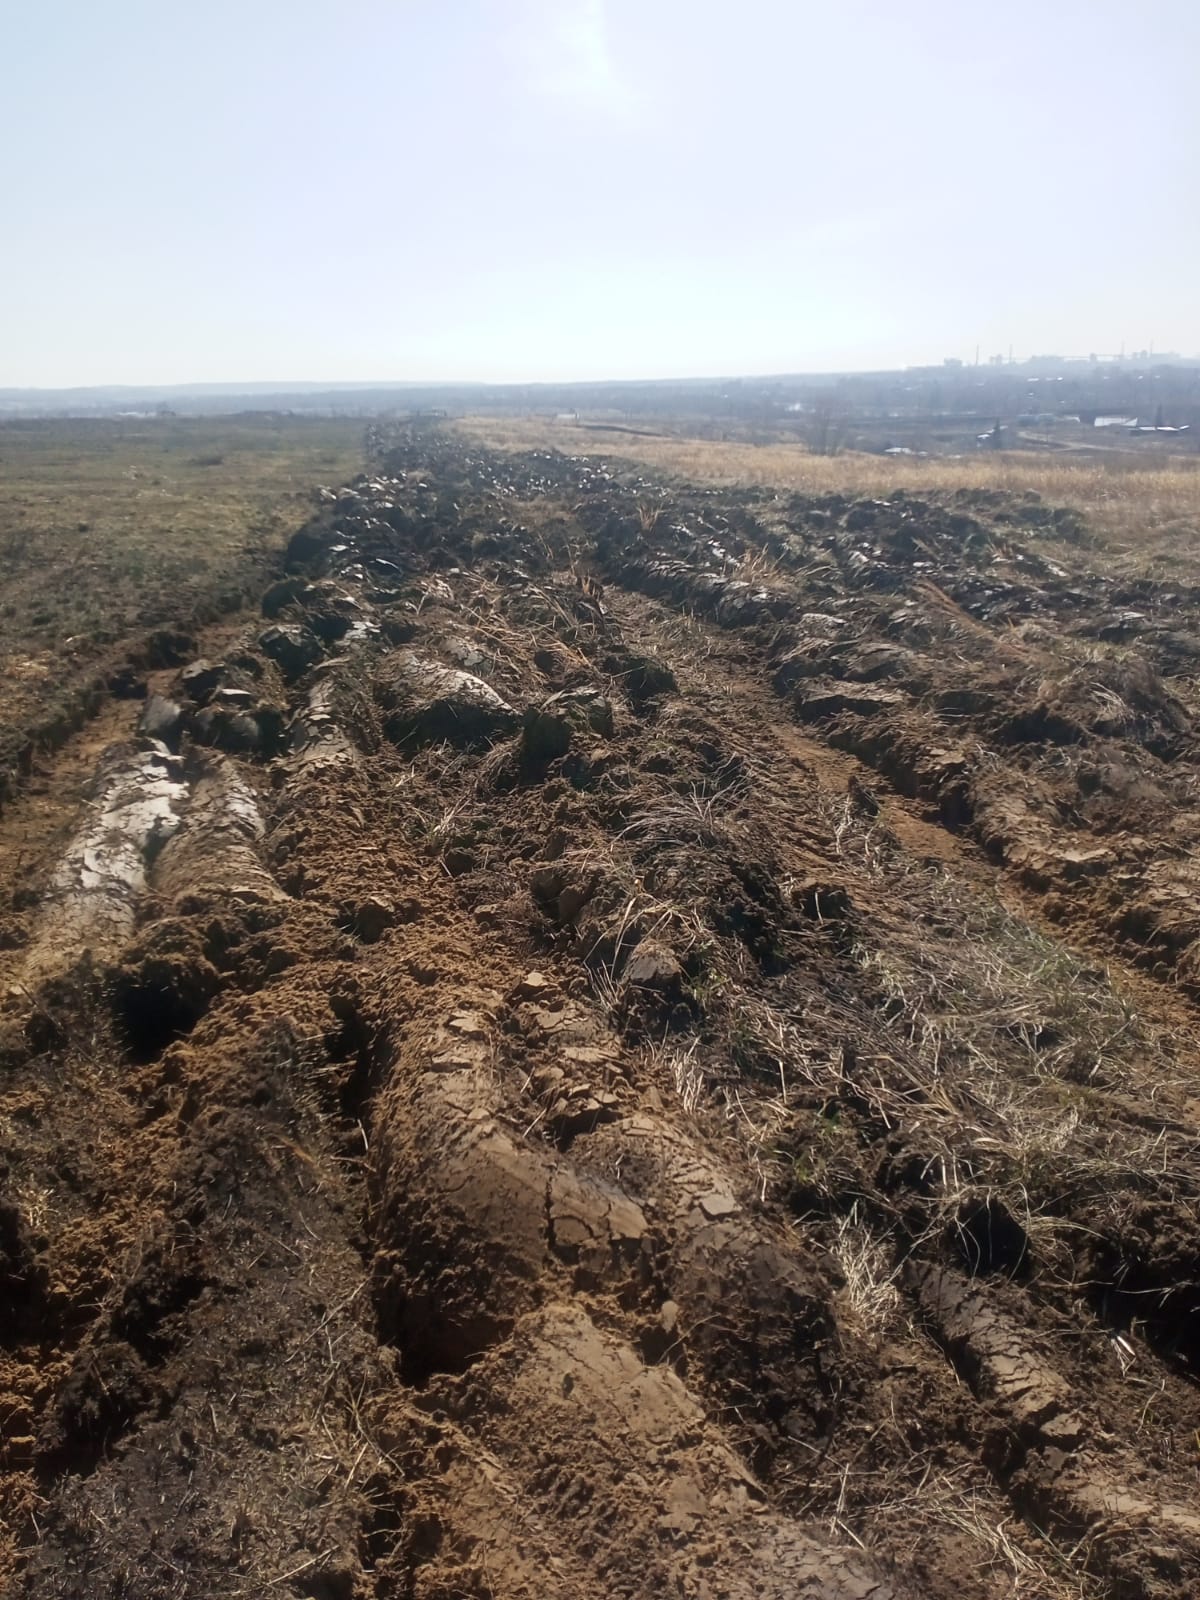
[{"x": 286, "y": 385}]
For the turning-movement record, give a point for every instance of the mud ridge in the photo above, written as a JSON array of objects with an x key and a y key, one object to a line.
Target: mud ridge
[{"x": 575, "y": 1054}]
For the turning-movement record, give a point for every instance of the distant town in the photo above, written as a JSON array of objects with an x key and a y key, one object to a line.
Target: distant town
[{"x": 1140, "y": 399}]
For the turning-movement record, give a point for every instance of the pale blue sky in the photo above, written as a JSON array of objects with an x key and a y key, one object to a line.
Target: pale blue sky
[{"x": 517, "y": 189}]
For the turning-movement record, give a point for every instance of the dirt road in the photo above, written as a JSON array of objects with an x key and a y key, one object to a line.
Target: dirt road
[{"x": 616, "y": 1041}]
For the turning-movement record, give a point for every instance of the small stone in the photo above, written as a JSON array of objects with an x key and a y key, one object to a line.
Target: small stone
[
  {"x": 534, "y": 986},
  {"x": 160, "y": 719},
  {"x": 202, "y": 679},
  {"x": 458, "y": 1058},
  {"x": 587, "y": 1055},
  {"x": 549, "y": 1020},
  {"x": 652, "y": 966},
  {"x": 715, "y": 1206},
  {"x": 468, "y": 1023},
  {"x": 573, "y": 1114}
]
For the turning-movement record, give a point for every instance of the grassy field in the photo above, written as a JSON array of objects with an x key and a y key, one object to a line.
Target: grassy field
[
  {"x": 1147, "y": 510},
  {"x": 109, "y": 529}
]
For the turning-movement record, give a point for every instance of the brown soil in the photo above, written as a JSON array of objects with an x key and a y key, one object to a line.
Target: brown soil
[{"x": 616, "y": 1041}]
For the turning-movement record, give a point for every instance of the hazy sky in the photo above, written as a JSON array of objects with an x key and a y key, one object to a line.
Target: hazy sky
[{"x": 322, "y": 189}]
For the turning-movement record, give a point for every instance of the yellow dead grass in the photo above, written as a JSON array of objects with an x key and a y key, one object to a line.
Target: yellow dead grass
[{"x": 1147, "y": 509}]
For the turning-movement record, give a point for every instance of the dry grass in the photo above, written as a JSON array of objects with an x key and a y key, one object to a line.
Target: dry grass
[
  {"x": 1022, "y": 1563},
  {"x": 111, "y": 528},
  {"x": 999, "y": 1047},
  {"x": 101, "y": 521},
  {"x": 1129, "y": 501},
  {"x": 869, "y": 1269}
]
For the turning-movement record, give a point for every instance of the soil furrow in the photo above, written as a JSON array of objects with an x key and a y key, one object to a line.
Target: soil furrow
[{"x": 542, "y": 1116}]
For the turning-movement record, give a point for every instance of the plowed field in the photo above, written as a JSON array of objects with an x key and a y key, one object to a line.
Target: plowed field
[{"x": 616, "y": 1040}]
